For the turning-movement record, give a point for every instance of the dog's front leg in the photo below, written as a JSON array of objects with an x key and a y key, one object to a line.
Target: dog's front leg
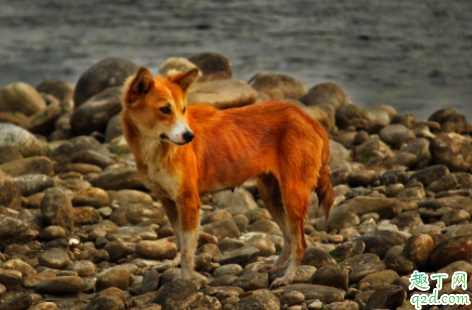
[{"x": 189, "y": 225}]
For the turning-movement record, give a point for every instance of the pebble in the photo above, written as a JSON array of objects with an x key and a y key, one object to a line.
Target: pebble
[
  {"x": 67, "y": 285},
  {"x": 292, "y": 298},
  {"x": 451, "y": 250},
  {"x": 22, "y": 301},
  {"x": 56, "y": 209},
  {"x": 262, "y": 301},
  {"x": 242, "y": 256},
  {"x": 118, "y": 278},
  {"x": 176, "y": 294},
  {"x": 252, "y": 281},
  {"x": 331, "y": 275},
  {"x": 54, "y": 258},
  {"x": 222, "y": 229},
  {"x": 312, "y": 291},
  {"x": 158, "y": 249},
  {"x": 14, "y": 231},
  {"x": 317, "y": 258}
]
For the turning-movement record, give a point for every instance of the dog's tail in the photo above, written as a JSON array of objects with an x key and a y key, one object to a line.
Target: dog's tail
[{"x": 324, "y": 190}]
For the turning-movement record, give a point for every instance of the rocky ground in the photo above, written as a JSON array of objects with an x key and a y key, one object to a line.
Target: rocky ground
[{"x": 78, "y": 230}]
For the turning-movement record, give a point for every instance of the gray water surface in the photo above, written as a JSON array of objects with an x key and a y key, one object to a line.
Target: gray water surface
[{"x": 414, "y": 55}]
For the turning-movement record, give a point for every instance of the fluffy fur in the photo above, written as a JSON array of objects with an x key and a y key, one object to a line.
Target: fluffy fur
[{"x": 274, "y": 141}]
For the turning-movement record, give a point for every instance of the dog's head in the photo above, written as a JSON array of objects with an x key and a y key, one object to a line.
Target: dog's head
[{"x": 157, "y": 106}]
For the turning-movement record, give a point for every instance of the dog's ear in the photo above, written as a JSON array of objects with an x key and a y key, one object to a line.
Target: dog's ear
[
  {"x": 184, "y": 79},
  {"x": 142, "y": 82},
  {"x": 138, "y": 85}
]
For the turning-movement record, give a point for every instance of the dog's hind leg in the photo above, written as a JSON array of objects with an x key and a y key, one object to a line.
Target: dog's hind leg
[
  {"x": 295, "y": 200},
  {"x": 270, "y": 193}
]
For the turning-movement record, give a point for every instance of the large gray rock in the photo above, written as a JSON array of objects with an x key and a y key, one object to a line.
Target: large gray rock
[
  {"x": 34, "y": 183},
  {"x": 326, "y": 93},
  {"x": 16, "y": 136},
  {"x": 222, "y": 94},
  {"x": 396, "y": 134},
  {"x": 278, "y": 86},
  {"x": 94, "y": 114},
  {"x": 20, "y": 97},
  {"x": 106, "y": 73},
  {"x": 452, "y": 150},
  {"x": 176, "y": 65},
  {"x": 64, "y": 152},
  {"x": 31, "y": 165},
  {"x": 60, "y": 89},
  {"x": 213, "y": 66}
]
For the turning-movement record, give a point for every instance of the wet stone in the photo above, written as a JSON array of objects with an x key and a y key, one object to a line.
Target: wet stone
[{"x": 95, "y": 197}]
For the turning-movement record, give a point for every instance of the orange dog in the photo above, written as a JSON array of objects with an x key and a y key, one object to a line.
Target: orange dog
[{"x": 182, "y": 152}]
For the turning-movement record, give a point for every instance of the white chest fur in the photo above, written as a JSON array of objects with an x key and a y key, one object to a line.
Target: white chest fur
[{"x": 165, "y": 179}]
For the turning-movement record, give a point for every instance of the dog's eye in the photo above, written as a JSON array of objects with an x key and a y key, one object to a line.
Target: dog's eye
[
  {"x": 165, "y": 110},
  {"x": 183, "y": 112}
]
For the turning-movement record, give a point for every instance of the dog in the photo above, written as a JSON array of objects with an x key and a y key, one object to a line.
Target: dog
[{"x": 183, "y": 152}]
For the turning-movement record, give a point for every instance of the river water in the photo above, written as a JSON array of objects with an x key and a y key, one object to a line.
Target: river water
[{"x": 414, "y": 55}]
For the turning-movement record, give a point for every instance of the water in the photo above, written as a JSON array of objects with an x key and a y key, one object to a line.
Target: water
[{"x": 413, "y": 55}]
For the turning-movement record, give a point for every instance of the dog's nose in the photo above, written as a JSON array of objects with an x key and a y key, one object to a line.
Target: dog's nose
[{"x": 188, "y": 136}]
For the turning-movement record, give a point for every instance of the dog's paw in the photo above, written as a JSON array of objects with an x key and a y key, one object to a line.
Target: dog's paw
[{"x": 280, "y": 282}]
